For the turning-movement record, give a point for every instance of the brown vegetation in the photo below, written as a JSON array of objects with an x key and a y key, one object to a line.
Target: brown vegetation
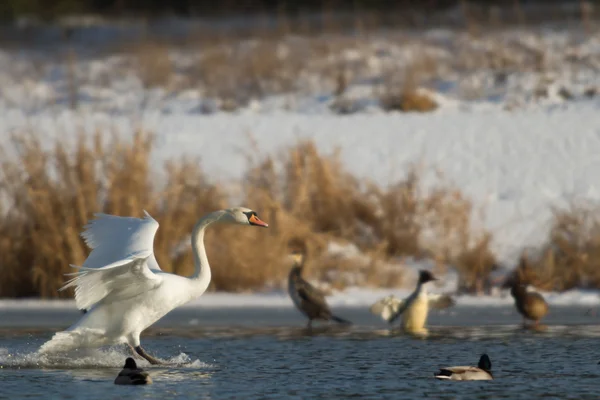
[
  {"x": 407, "y": 101},
  {"x": 153, "y": 63},
  {"x": 49, "y": 194},
  {"x": 400, "y": 90},
  {"x": 570, "y": 258},
  {"x": 229, "y": 69}
]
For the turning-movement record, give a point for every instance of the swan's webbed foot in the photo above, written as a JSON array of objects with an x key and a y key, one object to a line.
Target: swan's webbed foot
[{"x": 151, "y": 360}]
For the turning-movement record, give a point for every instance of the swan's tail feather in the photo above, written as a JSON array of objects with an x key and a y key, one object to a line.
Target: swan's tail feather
[
  {"x": 69, "y": 340},
  {"x": 340, "y": 320}
]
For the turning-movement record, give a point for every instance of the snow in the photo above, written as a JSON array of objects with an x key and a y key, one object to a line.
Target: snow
[
  {"x": 513, "y": 165},
  {"x": 511, "y": 151},
  {"x": 349, "y": 298}
]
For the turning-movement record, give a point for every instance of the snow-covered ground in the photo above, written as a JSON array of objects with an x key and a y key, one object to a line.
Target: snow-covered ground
[
  {"x": 352, "y": 297},
  {"x": 514, "y": 165},
  {"x": 516, "y": 150}
]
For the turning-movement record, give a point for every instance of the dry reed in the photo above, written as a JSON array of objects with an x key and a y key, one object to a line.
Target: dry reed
[
  {"x": 570, "y": 258},
  {"x": 49, "y": 194},
  {"x": 401, "y": 90}
]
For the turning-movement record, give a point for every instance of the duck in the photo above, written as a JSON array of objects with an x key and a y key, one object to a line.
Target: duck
[
  {"x": 123, "y": 288},
  {"x": 530, "y": 304},
  {"x": 482, "y": 372},
  {"x": 389, "y": 305},
  {"x": 132, "y": 375},
  {"x": 413, "y": 309},
  {"x": 309, "y": 300}
]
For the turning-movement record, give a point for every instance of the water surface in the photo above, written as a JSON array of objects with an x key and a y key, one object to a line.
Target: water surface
[{"x": 243, "y": 353}]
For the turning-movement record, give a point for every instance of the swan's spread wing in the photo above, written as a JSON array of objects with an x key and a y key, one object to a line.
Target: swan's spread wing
[
  {"x": 387, "y": 307},
  {"x": 114, "y": 238},
  {"x": 115, "y": 282},
  {"x": 440, "y": 301}
]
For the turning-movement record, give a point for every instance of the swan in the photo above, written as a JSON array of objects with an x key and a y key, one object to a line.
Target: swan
[
  {"x": 132, "y": 375},
  {"x": 308, "y": 299},
  {"x": 415, "y": 308},
  {"x": 122, "y": 287},
  {"x": 483, "y": 371}
]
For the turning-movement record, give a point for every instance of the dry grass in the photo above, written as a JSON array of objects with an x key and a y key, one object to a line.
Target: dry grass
[
  {"x": 153, "y": 64},
  {"x": 408, "y": 101},
  {"x": 49, "y": 194},
  {"x": 400, "y": 91},
  {"x": 236, "y": 73},
  {"x": 297, "y": 54},
  {"x": 323, "y": 202},
  {"x": 571, "y": 256}
]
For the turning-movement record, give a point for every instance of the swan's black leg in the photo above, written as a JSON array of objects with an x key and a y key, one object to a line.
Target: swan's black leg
[
  {"x": 151, "y": 360},
  {"x": 134, "y": 352}
]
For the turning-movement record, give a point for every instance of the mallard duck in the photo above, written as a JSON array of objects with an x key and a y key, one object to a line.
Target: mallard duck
[
  {"x": 415, "y": 308},
  {"x": 482, "y": 372},
  {"x": 308, "y": 299},
  {"x": 132, "y": 375},
  {"x": 530, "y": 304}
]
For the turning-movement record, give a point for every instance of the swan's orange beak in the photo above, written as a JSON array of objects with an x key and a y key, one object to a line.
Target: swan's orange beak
[{"x": 254, "y": 220}]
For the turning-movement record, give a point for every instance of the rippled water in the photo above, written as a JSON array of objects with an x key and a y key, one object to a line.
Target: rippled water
[{"x": 267, "y": 353}]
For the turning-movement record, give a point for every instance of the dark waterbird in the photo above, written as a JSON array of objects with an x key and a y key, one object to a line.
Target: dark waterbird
[{"x": 308, "y": 299}]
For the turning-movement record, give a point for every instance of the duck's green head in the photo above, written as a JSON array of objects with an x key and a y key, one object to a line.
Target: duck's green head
[
  {"x": 130, "y": 363},
  {"x": 485, "y": 363}
]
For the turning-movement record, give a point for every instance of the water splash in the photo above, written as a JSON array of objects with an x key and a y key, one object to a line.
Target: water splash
[{"x": 113, "y": 357}]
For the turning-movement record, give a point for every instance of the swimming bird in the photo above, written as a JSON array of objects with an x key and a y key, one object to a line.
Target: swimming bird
[
  {"x": 122, "y": 286},
  {"x": 530, "y": 304},
  {"x": 483, "y": 371},
  {"x": 308, "y": 299},
  {"x": 132, "y": 375},
  {"x": 415, "y": 308}
]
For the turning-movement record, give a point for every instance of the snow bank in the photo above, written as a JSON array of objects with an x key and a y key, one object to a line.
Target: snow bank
[
  {"x": 351, "y": 298},
  {"x": 514, "y": 165}
]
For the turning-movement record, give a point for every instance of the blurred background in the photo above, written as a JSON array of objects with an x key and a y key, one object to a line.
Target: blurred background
[{"x": 389, "y": 135}]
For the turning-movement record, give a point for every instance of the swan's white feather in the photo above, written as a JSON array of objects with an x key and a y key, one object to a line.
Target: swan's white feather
[
  {"x": 118, "y": 281},
  {"x": 121, "y": 285},
  {"x": 113, "y": 238},
  {"x": 68, "y": 340}
]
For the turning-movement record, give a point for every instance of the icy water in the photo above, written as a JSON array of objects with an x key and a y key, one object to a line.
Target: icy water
[{"x": 268, "y": 354}]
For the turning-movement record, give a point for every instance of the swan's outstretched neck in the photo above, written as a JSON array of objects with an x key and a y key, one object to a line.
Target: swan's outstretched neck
[{"x": 201, "y": 274}]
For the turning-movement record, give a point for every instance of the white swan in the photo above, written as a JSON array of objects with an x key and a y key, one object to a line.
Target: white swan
[{"x": 122, "y": 286}]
